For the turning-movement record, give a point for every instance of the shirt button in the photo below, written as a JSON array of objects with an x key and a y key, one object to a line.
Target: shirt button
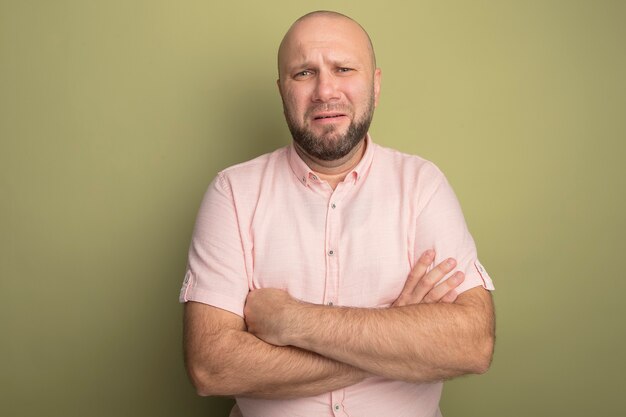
[
  {"x": 314, "y": 177},
  {"x": 331, "y": 252},
  {"x": 337, "y": 407},
  {"x": 333, "y": 205},
  {"x": 330, "y": 303}
]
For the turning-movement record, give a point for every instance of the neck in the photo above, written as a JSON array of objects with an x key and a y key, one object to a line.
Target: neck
[{"x": 335, "y": 171}]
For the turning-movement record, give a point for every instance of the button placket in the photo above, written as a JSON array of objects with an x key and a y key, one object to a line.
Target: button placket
[
  {"x": 336, "y": 403},
  {"x": 332, "y": 246}
]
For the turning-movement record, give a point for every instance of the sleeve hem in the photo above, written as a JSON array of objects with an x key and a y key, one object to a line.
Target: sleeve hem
[
  {"x": 475, "y": 279},
  {"x": 221, "y": 301}
]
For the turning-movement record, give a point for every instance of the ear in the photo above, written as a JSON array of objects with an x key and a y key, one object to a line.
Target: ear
[
  {"x": 280, "y": 92},
  {"x": 377, "y": 78}
]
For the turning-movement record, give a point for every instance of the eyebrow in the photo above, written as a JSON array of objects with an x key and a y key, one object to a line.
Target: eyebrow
[{"x": 308, "y": 64}]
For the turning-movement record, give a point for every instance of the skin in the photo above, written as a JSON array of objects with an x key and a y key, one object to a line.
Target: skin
[
  {"x": 415, "y": 342},
  {"x": 284, "y": 348},
  {"x": 223, "y": 357},
  {"x": 327, "y": 68}
]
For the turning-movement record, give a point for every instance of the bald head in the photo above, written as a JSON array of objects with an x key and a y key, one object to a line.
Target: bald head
[
  {"x": 320, "y": 26},
  {"x": 329, "y": 85}
]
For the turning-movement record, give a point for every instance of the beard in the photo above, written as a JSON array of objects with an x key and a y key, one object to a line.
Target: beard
[{"x": 330, "y": 145}]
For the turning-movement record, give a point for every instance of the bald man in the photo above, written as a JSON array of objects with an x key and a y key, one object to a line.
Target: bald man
[{"x": 333, "y": 277}]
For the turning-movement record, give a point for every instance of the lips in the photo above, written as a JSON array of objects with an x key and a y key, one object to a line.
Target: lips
[{"x": 320, "y": 116}]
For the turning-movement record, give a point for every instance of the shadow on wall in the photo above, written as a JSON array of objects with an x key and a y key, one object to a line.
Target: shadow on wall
[
  {"x": 250, "y": 122},
  {"x": 220, "y": 406},
  {"x": 253, "y": 118}
]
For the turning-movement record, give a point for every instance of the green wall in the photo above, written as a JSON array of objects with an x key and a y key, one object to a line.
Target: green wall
[{"x": 115, "y": 115}]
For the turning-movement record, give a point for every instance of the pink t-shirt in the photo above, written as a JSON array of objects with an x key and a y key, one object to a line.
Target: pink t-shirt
[{"x": 271, "y": 223}]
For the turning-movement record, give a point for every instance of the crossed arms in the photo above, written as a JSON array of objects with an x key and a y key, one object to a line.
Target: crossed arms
[{"x": 286, "y": 348}]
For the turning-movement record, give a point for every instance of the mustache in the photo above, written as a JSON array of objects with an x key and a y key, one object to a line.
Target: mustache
[{"x": 325, "y": 107}]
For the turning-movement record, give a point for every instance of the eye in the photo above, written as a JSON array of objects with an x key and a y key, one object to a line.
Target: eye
[
  {"x": 344, "y": 70},
  {"x": 303, "y": 74}
]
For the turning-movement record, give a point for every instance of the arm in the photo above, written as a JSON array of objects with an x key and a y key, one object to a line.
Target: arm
[
  {"x": 417, "y": 342},
  {"x": 222, "y": 358}
]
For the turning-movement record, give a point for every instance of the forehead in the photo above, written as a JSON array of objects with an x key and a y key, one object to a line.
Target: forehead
[{"x": 332, "y": 38}]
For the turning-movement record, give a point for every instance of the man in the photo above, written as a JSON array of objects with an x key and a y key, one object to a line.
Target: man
[{"x": 297, "y": 296}]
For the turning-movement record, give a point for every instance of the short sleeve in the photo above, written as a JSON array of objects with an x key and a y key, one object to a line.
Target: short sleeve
[
  {"x": 441, "y": 226},
  {"x": 216, "y": 271}
]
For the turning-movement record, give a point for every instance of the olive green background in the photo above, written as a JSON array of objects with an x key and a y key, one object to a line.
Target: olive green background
[{"x": 115, "y": 115}]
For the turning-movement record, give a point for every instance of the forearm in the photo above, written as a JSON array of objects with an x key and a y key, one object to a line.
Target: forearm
[
  {"x": 420, "y": 342},
  {"x": 258, "y": 369},
  {"x": 233, "y": 362}
]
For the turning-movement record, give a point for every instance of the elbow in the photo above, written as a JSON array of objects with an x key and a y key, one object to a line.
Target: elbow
[
  {"x": 481, "y": 366},
  {"x": 201, "y": 381},
  {"x": 207, "y": 383},
  {"x": 484, "y": 345},
  {"x": 205, "y": 390},
  {"x": 484, "y": 354}
]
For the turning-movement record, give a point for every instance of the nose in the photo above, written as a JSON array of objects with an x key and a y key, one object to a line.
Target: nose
[{"x": 326, "y": 88}]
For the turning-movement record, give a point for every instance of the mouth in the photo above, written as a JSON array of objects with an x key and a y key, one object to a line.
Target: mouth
[{"x": 328, "y": 116}]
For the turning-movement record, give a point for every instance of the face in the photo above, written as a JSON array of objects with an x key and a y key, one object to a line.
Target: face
[{"x": 328, "y": 85}]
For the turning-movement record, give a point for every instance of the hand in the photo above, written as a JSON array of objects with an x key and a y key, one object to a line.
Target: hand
[
  {"x": 267, "y": 314},
  {"x": 420, "y": 286}
]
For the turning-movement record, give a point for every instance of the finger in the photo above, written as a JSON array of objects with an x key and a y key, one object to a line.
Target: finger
[
  {"x": 418, "y": 271},
  {"x": 441, "y": 291},
  {"x": 450, "y": 297},
  {"x": 428, "y": 282}
]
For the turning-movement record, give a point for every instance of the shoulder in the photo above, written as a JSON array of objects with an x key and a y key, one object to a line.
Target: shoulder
[
  {"x": 408, "y": 169},
  {"x": 254, "y": 170},
  {"x": 259, "y": 163}
]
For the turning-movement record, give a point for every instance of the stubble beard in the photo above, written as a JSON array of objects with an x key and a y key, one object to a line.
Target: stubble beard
[{"x": 331, "y": 145}]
